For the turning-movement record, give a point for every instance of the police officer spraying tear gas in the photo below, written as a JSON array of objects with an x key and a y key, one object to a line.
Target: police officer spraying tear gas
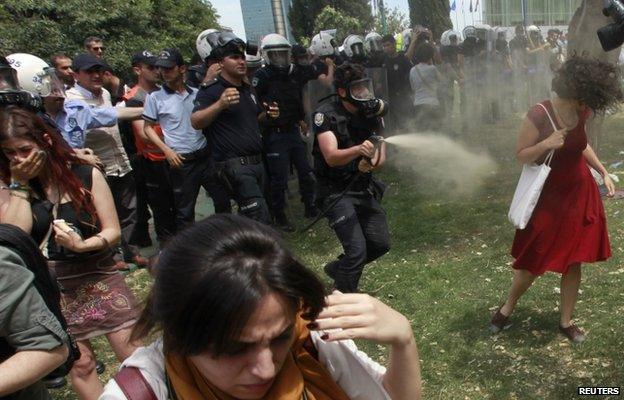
[
  {"x": 279, "y": 84},
  {"x": 347, "y": 151},
  {"x": 228, "y": 113}
]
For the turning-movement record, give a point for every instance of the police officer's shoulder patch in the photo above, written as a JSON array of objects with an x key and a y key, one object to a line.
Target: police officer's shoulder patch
[
  {"x": 319, "y": 118},
  {"x": 209, "y": 83},
  {"x": 254, "y": 81}
]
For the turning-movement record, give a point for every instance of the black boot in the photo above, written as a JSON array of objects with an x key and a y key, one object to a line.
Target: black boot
[
  {"x": 282, "y": 222},
  {"x": 311, "y": 211},
  {"x": 55, "y": 383},
  {"x": 99, "y": 367}
]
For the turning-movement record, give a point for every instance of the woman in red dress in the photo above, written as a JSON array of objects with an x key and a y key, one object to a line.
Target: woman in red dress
[{"x": 568, "y": 225}]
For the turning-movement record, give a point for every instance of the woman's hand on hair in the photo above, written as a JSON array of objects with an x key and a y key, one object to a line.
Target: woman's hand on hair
[
  {"x": 28, "y": 168},
  {"x": 68, "y": 238},
  {"x": 360, "y": 316},
  {"x": 555, "y": 140}
]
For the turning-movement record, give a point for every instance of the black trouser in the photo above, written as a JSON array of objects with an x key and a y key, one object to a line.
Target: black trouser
[
  {"x": 196, "y": 171},
  {"x": 160, "y": 198},
  {"x": 124, "y": 195},
  {"x": 361, "y": 226},
  {"x": 427, "y": 117},
  {"x": 284, "y": 145},
  {"x": 141, "y": 229},
  {"x": 246, "y": 182}
]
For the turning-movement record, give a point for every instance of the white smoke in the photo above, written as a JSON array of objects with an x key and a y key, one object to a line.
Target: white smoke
[{"x": 440, "y": 164}]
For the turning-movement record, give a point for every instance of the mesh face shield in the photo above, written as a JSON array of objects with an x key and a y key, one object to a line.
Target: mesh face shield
[
  {"x": 52, "y": 85},
  {"x": 375, "y": 45},
  {"x": 358, "y": 50},
  {"x": 8, "y": 79},
  {"x": 279, "y": 58}
]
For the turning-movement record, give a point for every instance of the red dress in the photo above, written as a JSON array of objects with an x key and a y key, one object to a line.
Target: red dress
[{"x": 568, "y": 224}]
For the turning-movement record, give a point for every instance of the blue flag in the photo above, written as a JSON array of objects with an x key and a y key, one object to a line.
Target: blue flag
[{"x": 453, "y": 6}]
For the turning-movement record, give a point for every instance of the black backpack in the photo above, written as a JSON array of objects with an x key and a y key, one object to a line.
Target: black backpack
[{"x": 19, "y": 241}]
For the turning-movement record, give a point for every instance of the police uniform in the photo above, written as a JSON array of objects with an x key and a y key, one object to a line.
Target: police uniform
[
  {"x": 236, "y": 145},
  {"x": 399, "y": 90},
  {"x": 283, "y": 142},
  {"x": 357, "y": 217}
]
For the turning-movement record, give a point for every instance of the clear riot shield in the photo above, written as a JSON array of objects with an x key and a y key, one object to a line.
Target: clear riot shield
[
  {"x": 380, "y": 81},
  {"x": 313, "y": 92}
]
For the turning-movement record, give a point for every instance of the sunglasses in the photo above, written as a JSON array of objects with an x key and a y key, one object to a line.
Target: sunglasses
[{"x": 98, "y": 48}]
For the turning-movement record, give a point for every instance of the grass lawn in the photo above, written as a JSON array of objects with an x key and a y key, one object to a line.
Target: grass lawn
[{"x": 449, "y": 268}]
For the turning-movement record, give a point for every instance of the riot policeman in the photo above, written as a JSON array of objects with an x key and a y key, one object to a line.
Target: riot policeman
[
  {"x": 228, "y": 112},
  {"x": 354, "y": 49},
  {"x": 373, "y": 44},
  {"x": 347, "y": 151},
  {"x": 323, "y": 51},
  {"x": 208, "y": 69},
  {"x": 279, "y": 84}
]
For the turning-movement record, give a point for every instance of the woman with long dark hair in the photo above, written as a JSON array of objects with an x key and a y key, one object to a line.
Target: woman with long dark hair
[
  {"x": 241, "y": 318},
  {"x": 568, "y": 226},
  {"x": 67, "y": 207}
]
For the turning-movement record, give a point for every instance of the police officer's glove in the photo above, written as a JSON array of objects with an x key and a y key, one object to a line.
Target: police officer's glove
[{"x": 375, "y": 108}]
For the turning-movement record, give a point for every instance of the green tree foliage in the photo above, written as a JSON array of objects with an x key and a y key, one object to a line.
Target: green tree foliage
[
  {"x": 396, "y": 21},
  {"x": 330, "y": 18},
  {"x": 44, "y": 27},
  {"x": 301, "y": 16},
  {"x": 304, "y": 15},
  {"x": 434, "y": 14}
]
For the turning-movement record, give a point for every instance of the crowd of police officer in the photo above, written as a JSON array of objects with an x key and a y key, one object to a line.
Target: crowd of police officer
[{"x": 269, "y": 111}]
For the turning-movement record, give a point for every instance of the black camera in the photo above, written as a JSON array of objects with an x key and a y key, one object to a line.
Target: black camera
[{"x": 612, "y": 36}]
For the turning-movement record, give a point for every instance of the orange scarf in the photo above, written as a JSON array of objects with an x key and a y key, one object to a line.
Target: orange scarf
[{"x": 300, "y": 371}]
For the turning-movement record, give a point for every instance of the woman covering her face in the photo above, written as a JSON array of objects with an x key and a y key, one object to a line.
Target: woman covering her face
[
  {"x": 240, "y": 318},
  {"x": 67, "y": 207}
]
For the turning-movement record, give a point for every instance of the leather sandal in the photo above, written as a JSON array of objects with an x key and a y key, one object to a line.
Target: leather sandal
[
  {"x": 499, "y": 321},
  {"x": 573, "y": 333}
]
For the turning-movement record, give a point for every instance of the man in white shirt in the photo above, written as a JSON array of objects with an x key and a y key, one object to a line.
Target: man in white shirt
[{"x": 107, "y": 145}]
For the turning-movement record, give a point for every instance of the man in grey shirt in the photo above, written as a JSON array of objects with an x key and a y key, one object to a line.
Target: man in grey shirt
[
  {"x": 185, "y": 147},
  {"x": 424, "y": 79},
  {"x": 30, "y": 329}
]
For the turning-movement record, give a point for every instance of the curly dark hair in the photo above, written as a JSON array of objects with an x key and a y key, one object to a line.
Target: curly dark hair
[
  {"x": 592, "y": 82},
  {"x": 346, "y": 73}
]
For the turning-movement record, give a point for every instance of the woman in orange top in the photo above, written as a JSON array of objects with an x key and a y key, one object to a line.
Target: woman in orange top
[{"x": 242, "y": 319}]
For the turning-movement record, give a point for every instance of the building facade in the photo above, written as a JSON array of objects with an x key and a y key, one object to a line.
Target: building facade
[
  {"x": 262, "y": 17},
  {"x": 542, "y": 13}
]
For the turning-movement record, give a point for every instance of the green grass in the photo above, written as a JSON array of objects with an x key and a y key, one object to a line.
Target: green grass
[{"x": 449, "y": 268}]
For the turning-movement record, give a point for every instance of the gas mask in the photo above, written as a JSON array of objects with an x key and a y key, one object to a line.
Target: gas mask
[{"x": 361, "y": 94}]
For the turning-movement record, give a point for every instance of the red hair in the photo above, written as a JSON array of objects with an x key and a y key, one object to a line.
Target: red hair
[{"x": 16, "y": 122}]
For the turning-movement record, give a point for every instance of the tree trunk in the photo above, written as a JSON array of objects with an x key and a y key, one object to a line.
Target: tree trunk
[
  {"x": 583, "y": 41},
  {"x": 433, "y": 14}
]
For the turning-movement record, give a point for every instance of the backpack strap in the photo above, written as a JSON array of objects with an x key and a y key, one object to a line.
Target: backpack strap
[{"x": 133, "y": 384}]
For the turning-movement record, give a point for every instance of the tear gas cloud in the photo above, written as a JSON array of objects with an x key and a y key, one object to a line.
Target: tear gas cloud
[{"x": 439, "y": 164}]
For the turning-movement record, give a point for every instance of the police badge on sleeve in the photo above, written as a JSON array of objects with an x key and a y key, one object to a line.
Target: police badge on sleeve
[{"x": 319, "y": 118}]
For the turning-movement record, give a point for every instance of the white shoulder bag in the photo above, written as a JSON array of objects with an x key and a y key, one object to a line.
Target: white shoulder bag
[{"x": 530, "y": 187}]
